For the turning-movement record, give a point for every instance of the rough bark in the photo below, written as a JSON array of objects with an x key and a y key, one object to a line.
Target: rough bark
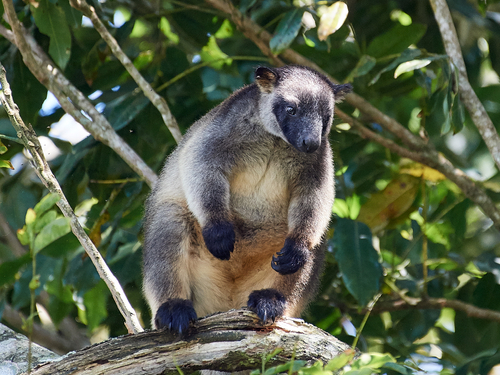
[
  {"x": 14, "y": 352},
  {"x": 42, "y": 169},
  {"x": 230, "y": 341}
]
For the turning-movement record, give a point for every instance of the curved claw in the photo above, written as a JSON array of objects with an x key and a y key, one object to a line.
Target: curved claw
[
  {"x": 268, "y": 304},
  {"x": 289, "y": 259},
  {"x": 175, "y": 314}
]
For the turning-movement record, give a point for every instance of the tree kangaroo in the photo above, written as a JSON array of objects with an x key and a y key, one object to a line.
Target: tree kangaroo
[{"x": 239, "y": 211}]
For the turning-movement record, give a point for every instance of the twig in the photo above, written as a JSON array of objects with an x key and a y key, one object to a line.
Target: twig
[
  {"x": 474, "y": 106},
  {"x": 30, "y": 140},
  {"x": 261, "y": 38},
  {"x": 42, "y": 336},
  {"x": 70, "y": 98},
  {"x": 437, "y": 303},
  {"x": 158, "y": 101},
  {"x": 417, "y": 149},
  {"x": 369, "y": 309}
]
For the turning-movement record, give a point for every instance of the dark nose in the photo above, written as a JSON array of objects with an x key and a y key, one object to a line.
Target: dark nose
[{"x": 310, "y": 144}]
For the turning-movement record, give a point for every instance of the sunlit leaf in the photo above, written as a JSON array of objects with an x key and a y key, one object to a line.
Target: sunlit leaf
[
  {"x": 390, "y": 203},
  {"x": 212, "y": 52},
  {"x": 225, "y": 31},
  {"x": 46, "y": 203},
  {"x": 6, "y": 164},
  {"x": 52, "y": 232},
  {"x": 30, "y": 216},
  {"x": 420, "y": 170},
  {"x": 286, "y": 31},
  {"x": 332, "y": 19},
  {"x": 341, "y": 360},
  {"x": 407, "y": 55},
  {"x": 44, "y": 220},
  {"x": 167, "y": 31},
  {"x": 373, "y": 360},
  {"x": 409, "y": 66},
  {"x": 3, "y": 148}
]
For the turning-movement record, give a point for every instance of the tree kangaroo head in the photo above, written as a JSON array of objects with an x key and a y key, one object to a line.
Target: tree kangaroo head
[{"x": 297, "y": 104}]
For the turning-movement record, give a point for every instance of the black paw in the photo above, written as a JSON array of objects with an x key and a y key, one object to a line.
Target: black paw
[
  {"x": 175, "y": 314},
  {"x": 219, "y": 239},
  {"x": 291, "y": 258},
  {"x": 268, "y": 304}
]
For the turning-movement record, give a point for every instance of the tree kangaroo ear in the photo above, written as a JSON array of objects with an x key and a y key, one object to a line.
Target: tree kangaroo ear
[
  {"x": 340, "y": 91},
  {"x": 265, "y": 78}
]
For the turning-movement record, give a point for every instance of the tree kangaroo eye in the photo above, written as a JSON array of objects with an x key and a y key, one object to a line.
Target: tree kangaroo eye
[{"x": 291, "y": 110}]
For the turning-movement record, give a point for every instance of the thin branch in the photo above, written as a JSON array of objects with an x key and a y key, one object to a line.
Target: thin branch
[
  {"x": 70, "y": 98},
  {"x": 474, "y": 106},
  {"x": 261, "y": 38},
  {"x": 416, "y": 148},
  {"x": 42, "y": 336},
  {"x": 437, "y": 303},
  {"x": 30, "y": 140},
  {"x": 158, "y": 101}
]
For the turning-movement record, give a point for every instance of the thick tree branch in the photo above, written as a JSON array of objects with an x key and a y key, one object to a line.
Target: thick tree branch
[
  {"x": 417, "y": 149},
  {"x": 14, "y": 350},
  {"x": 30, "y": 141},
  {"x": 149, "y": 92},
  {"x": 70, "y": 98},
  {"x": 230, "y": 341},
  {"x": 474, "y": 106}
]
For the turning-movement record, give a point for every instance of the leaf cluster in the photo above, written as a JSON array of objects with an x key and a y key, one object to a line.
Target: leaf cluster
[{"x": 400, "y": 231}]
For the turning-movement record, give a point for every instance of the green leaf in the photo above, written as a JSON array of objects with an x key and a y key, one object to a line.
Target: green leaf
[
  {"x": 225, "y": 31},
  {"x": 46, "y": 203},
  {"x": 357, "y": 259},
  {"x": 389, "y": 204},
  {"x": 44, "y": 220},
  {"x": 95, "y": 305},
  {"x": 6, "y": 164},
  {"x": 23, "y": 236},
  {"x": 167, "y": 31},
  {"x": 401, "y": 369},
  {"x": 409, "y": 66},
  {"x": 30, "y": 216},
  {"x": 3, "y": 148},
  {"x": 73, "y": 16},
  {"x": 51, "y": 21},
  {"x": 332, "y": 19},
  {"x": 286, "y": 31},
  {"x": 364, "y": 65},
  {"x": 396, "y": 40},
  {"x": 52, "y": 232},
  {"x": 341, "y": 360},
  {"x": 372, "y": 360},
  {"x": 8, "y": 270},
  {"x": 407, "y": 55},
  {"x": 458, "y": 116},
  {"x": 212, "y": 52}
]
